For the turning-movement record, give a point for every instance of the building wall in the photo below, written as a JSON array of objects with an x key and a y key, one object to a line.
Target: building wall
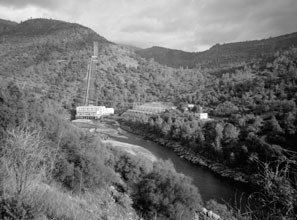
[
  {"x": 202, "y": 115},
  {"x": 93, "y": 112}
]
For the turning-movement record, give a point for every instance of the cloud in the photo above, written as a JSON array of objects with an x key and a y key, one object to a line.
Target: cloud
[
  {"x": 182, "y": 24},
  {"x": 25, "y": 3}
]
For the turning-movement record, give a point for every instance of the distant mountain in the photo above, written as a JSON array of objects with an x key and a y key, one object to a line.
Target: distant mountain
[
  {"x": 130, "y": 47},
  {"x": 6, "y": 25},
  {"x": 225, "y": 55},
  {"x": 169, "y": 57}
]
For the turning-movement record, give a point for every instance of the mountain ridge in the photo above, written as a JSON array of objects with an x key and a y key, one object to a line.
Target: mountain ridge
[
  {"x": 220, "y": 55},
  {"x": 47, "y": 28}
]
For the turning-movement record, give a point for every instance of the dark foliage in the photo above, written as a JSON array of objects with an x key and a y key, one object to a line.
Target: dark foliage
[{"x": 165, "y": 194}]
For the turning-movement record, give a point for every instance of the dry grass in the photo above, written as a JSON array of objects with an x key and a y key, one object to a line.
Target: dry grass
[
  {"x": 24, "y": 165},
  {"x": 56, "y": 204}
]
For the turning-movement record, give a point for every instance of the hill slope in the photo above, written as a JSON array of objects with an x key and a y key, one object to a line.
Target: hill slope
[
  {"x": 5, "y": 25},
  {"x": 47, "y": 55},
  {"x": 51, "y": 57},
  {"x": 224, "y": 55}
]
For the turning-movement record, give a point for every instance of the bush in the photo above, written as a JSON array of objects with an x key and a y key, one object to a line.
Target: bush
[
  {"x": 225, "y": 109},
  {"x": 132, "y": 169},
  {"x": 11, "y": 209},
  {"x": 11, "y": 108},
  {"x": 24, "y": 157},
  {"x": 165, "y": 194},
  {"x": 81, "y": 163}
]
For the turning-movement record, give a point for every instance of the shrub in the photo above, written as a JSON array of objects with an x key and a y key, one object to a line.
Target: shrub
[
  {"x": 131, "y": 168},
  {"x": 81, "y": 163},
  {"x": 11, "y": 209},
  {"x": 225, "y": 109},
  {"x": 165, "y": 194},
  {"x": 24, "y": 157}
]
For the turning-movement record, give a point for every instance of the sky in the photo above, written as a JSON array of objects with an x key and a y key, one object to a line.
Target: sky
[{"x": 190, "y": 25}]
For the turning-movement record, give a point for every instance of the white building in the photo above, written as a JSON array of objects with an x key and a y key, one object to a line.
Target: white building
[
  {"x": 109, "y": 111},
  {"x": 190, "y": 106},
  {"x": 202, "y": 115},
  {"x": 92, "y": 112}
]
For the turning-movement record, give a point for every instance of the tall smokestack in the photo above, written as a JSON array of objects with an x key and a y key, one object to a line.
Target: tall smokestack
[{"x": 96, "y": 48}]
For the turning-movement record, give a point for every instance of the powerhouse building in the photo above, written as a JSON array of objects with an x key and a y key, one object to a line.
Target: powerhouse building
[{"x": 92, "y": 112}]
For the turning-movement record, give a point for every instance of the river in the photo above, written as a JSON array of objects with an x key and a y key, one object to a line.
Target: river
[{"x": 210, "y": 185}]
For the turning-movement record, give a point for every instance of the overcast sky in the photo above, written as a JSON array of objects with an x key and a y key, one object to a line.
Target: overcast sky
[{"x": 191, "y": 25}]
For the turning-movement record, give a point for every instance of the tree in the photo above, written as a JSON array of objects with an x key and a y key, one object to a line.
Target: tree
[
  {"x": 256, "y": 125},
  {"x": 165, "y": 194},
  {"x": 158, "y": 124},
  {"x": 230, "y": 133},
  {"x": 274, "y": 126},
  {"x": 219, "y": 135},
  {"x": 25, "y": 156},
  {"x": 225, "y": 109},
  {"x": 151, "y": 123},
  {"x": 289, "y": 123},
  {"x": 166, "y": 129},
  {"x": 200, "y": 136},
  {"x": 12, "y": 107},
  {"x": 132, "y": 169}
]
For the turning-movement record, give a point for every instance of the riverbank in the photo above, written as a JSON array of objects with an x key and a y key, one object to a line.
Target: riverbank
[
  {"x": 210, "y": 184},
  {"x": 131, "y": 149},
  {"x": 193, "y": 157},
  {"x": 111, "y": 129}
]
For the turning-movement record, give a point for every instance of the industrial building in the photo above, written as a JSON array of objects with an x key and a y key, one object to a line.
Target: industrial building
[
  {"x": 92, "y": 112},
  {"x": 152, "y": 108}
]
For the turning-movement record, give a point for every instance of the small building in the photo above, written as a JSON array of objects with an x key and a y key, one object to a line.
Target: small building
[
  {"x": 191, "y": 106},
  {"x": 202, "y": 115},
  {"x": 92, "y": 112}
]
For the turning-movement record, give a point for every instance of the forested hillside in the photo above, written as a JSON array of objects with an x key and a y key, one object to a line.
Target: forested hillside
[
  {"x": 47, "y": 56},
  {"x": 221, "y": 55},
  {"x": 51, "y": 57}
]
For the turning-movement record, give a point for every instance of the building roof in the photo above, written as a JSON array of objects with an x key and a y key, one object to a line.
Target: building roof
[{"x": 157, "y": 104}]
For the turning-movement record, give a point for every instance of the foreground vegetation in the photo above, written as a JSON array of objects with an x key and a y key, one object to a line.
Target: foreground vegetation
[{"x": 51, "y": 169}]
